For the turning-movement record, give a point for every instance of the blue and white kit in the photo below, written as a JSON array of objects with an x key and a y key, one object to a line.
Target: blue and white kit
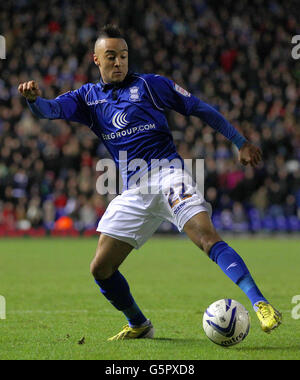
[{"x": 130, "y": 117}]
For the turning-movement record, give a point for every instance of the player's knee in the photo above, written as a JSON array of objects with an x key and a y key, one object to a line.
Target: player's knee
[
  {"x": 202, "y": 232},
  {"x": 208, "y": 240},
  {"x": 101, "y": 271}
]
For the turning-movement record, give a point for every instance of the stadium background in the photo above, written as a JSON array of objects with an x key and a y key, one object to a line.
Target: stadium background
[{"x": 234, "y": 55}]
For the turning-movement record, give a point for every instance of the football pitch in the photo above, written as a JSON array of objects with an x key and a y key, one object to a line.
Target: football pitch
[{"x": 54, "y": 310}]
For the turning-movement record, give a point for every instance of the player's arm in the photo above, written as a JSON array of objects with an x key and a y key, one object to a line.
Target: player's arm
[
  {"x": 168, "y": 94},
  {"x": 68, "y": 106}
]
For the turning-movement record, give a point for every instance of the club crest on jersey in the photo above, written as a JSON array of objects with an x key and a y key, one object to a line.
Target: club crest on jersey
[
  {"x": 181, "y": 90},
  {"x": 119, "y": 120},
  {"x": 134, "y": 94}
]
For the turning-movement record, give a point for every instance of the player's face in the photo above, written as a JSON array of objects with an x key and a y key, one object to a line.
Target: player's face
[{"x": 111, "y": 56}]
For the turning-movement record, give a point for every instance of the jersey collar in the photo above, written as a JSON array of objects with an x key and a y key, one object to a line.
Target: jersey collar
[{"x": 115, "y": 86}]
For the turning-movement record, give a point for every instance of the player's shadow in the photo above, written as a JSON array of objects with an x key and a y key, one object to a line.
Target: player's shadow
[{"x": 191, "y": 340}]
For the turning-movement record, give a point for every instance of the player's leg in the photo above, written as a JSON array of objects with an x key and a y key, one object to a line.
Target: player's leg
[
  {"x": 202, "y": 232},
  {"x": 109, "y": 256},
  {"x": 126, "y": 224}
]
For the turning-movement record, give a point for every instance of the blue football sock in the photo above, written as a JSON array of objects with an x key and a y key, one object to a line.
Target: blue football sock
[
  {"x": 117, "y": 292},
  {"x": 235, "y": 268},
  {"x": 249, "y": 287}
]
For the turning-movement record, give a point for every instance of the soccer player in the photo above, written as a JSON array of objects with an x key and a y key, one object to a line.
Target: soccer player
[{"x": 126, "y": 111}]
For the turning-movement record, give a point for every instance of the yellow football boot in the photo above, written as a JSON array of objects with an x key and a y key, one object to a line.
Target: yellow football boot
[
  {"x": 135, "y": 332},
  {"x": 269, "y": 317}
]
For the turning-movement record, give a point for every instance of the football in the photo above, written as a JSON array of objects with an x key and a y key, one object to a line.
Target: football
[{"x": 226, "y": 322}]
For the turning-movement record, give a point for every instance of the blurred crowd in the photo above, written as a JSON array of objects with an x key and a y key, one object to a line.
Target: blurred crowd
[{"x": 236, "y": 56}]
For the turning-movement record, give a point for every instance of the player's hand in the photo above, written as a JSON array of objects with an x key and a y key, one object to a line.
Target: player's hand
[
  {"x": 30, "y": 90},
  {"x": 250, "y": 154}
]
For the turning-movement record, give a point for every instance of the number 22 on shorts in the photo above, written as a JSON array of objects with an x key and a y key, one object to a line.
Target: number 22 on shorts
[{"x": 182, "y": 196}]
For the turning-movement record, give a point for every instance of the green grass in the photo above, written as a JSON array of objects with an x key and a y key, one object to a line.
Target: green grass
[{"x": 53, "y": 302}]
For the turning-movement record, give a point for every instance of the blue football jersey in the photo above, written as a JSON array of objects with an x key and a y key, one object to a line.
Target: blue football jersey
[{"x": 130, "y": 116}]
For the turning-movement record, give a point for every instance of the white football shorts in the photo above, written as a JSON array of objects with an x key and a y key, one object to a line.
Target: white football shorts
[{"x": 136, "y": 214}]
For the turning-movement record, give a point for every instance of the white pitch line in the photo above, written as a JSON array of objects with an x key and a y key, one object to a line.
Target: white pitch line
[
  {"x": 106, "y": 311},
  {"x": 45, "y": 311}
]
